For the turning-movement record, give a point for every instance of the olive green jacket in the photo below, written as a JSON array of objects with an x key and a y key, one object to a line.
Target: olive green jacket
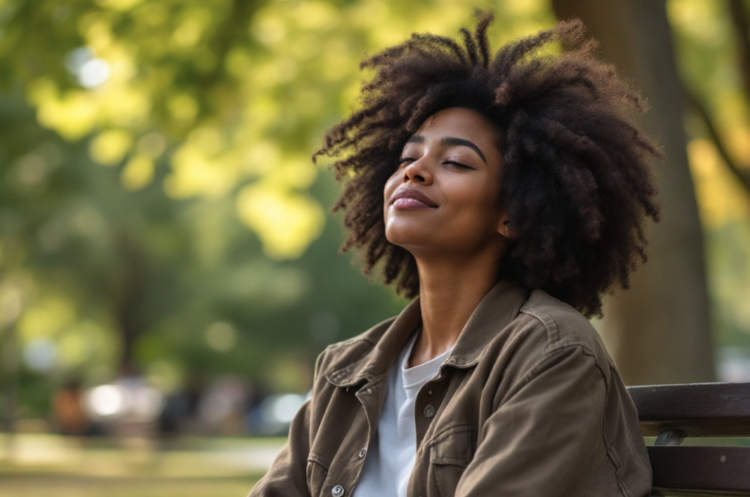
[{"x": 528, "y": 403}]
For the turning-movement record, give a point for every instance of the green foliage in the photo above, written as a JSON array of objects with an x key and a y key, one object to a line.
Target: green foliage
[{"x": 159, "y": 210}]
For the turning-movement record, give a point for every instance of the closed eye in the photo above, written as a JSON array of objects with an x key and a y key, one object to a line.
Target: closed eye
[
  {"x": 448, "y": 162},
  {"x": 458, "y": 164}
]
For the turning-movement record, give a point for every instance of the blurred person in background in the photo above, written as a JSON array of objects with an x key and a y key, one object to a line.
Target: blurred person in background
[
  {"x": 179, "y": 411},
  {"x": 68, "y": 409},
  {"x": 506, "y": 194}
]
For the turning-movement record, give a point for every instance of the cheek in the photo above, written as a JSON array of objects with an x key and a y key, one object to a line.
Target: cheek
[
  {"x": 476, "y": 206},
  {"x": 388, "y": 189},
  {"x": 391, "y": 182}
]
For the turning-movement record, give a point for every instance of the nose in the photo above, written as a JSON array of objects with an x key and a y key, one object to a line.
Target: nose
[{"x": 418, "y": 172}]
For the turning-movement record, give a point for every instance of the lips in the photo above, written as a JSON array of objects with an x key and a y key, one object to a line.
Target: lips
[{"x": 413, "y": 194}]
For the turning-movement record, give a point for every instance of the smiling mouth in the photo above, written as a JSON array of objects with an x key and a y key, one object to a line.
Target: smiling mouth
[
  {"x": 411, "y": 198},
  {"x": 407, "y": 203}
]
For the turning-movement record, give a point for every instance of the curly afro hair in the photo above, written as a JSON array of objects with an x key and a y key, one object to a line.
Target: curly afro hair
[{"x": 575, "y": 181}]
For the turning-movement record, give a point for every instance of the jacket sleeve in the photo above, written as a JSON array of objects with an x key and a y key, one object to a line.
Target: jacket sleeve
[
  {"x": 542, "y": 440},
  {"x": 287, "y": 475}
]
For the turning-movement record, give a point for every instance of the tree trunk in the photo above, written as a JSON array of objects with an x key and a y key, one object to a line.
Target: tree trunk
[
  {"x": 128, "y": 299},
  {"x": 657, "y": 331},
  {"x": 10, "y": 366}
]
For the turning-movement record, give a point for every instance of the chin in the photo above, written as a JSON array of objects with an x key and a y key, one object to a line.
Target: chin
[
  {"x": 405, "y": 242},
  {"x": 415, "y": 245}
]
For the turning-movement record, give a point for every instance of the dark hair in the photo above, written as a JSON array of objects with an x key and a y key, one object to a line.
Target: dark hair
[{"x": 575, "y": 178}]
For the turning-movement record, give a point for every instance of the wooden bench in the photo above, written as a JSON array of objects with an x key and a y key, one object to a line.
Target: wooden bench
[{"x": 675, "y": 414}]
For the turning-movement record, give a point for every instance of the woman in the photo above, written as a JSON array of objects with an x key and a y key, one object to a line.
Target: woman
[{"x": 507, "y": 194}]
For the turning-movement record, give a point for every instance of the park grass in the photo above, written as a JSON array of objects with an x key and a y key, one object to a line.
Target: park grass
[
  {"x": 82, "y": 485},
  {"x": 37, "y": 465}
]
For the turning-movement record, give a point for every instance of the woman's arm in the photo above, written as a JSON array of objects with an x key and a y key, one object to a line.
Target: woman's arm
[
  {"x": 286, "y": 476},
  {"x": 549, "y": 438}
]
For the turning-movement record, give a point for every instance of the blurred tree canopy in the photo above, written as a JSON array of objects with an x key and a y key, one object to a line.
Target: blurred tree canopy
[{"x": 158, "y": 208}]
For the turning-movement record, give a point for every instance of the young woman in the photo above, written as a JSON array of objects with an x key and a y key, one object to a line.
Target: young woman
[{"x": 506, "y": 193}]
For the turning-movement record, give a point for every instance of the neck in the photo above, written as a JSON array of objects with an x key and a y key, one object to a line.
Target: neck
[{"x": 448, "y": 294}]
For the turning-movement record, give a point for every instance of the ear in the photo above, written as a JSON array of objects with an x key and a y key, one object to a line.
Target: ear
[{"x": 504, "y": 227}]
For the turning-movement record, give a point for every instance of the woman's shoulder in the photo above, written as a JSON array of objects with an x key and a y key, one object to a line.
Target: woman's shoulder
[
  {"x": 345, "y": 352},
  {"x": 559, "y": 319},
  {"x": 550, "y": 326}
]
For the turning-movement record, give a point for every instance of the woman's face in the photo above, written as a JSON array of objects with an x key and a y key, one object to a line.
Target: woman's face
[{"x": 443, "y": 197}]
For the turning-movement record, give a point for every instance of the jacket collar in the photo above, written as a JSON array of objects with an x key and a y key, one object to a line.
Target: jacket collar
[{"x": 495, "y": 311}]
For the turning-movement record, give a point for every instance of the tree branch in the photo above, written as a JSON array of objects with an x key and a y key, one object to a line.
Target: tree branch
[
  {"x": 741, "y": 172},
  {"x": 739, "y": 18}
]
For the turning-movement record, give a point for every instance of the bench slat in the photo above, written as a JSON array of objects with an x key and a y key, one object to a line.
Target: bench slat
[
  {"x": 714, "y": 469},
  {"x": 718, "y": 427},
  {"x": 698, "y": 409},
  {"x": 695, "y": 493}
]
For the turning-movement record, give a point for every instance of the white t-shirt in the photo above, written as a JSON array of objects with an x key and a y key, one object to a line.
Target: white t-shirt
[{"x": 391, "y": 455}]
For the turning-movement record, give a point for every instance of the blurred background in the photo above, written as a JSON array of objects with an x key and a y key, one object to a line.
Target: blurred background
[{"x": 169, "y": 269}]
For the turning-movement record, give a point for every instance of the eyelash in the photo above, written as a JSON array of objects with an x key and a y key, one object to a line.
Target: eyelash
[{"x": 458, "y": 164}]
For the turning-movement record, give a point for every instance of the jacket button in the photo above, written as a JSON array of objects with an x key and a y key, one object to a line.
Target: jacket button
[
  {"x": 429, "y": 411},
  {"x": 362, "y": 453},
  {"x": 337, "y": 491}
]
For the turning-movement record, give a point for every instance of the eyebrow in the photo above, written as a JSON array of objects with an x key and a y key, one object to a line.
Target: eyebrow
[{"x": 451, "y": 140}]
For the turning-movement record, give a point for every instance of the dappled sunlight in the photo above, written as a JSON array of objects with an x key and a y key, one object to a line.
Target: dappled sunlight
[
  {"x": 138, "y": 172},
  {"x": 291, "y": 172},
  {"x": 191, "y": 26},
  {"x": 119, "y": 4},
  {"x": 286, "y": 222},
  {"x": 738, "y": 142},
  {"x": 731, "y": 113},
  {"x": 182, "y": 107},
  {"x": 268, "y": 27},
  {"x": 306, "y": 65},
  {"x": 110, "y": 146},
  {"x": 46, "y": 318},
  {"x": 73, "y": 113},
  {"x": 198, "y": 167},
  {"x": 85, "y": 344},
  {"x": 123, "y": 105},
  {"x": 53, "y": 337},
  {"x": 720, "y": 197},
  {"x": 699, "y": 18}
]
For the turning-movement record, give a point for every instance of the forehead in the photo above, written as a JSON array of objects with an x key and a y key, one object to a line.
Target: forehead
[{"x": 461, "y": 122}]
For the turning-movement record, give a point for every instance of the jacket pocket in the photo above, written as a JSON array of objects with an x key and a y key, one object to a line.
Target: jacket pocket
[
  {"x": 315, "y": 475},
  {"x": 451, "y": 450}
]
